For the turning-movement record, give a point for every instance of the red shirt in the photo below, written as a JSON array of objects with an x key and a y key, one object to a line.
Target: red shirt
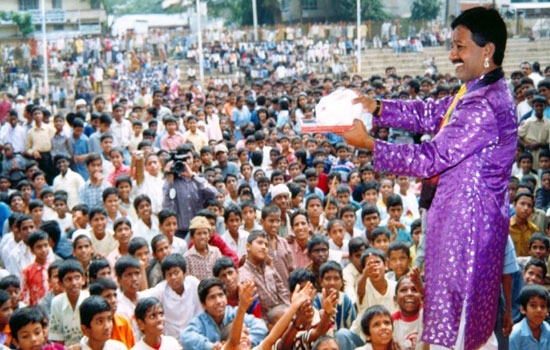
[{"x": 34, "y": 283}]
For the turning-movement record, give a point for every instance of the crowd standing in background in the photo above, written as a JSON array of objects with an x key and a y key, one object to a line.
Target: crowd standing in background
[{"x": 141, "y": 209}]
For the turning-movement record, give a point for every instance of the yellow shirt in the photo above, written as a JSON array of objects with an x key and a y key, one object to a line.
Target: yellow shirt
[
  {"x": 40, "y": 138},
  {"x": 521, "y": 236}
]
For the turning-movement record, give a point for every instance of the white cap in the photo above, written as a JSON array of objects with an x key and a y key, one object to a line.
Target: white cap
[{"x": 279, "y": 189}]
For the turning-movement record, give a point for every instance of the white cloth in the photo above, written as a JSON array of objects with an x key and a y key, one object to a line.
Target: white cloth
[
  {"x": 110, "y": 344},
  {"x": 21, "y": 257},
  {"x": 238, "y": 246},
  {"x": 178, "y": 309},
  {"x": 16, "y": 136},
  {"x": 167, "y": 343},
  {"x": 64, "y": 320},
  {"x": 72, "y": 182},
  {"x": 141, "y": 230}
]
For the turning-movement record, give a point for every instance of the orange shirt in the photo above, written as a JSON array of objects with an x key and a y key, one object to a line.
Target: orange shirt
[
  {"x": 6, "y": 332},
  {"x": 122, "y": 331}
]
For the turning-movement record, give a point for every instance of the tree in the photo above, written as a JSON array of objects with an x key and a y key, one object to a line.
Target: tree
[
  {"x": 23, "y": 21},
  {"x": 425, "y": 10},
  {"x": 269, "y": 11},
  {"x": 370, "y": 10}
]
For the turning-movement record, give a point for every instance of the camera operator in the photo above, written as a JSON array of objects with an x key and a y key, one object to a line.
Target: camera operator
[{"x": 184, "y": 192}]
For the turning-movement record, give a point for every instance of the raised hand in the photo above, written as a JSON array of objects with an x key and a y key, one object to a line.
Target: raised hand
[{"x": 247, "y": 294}]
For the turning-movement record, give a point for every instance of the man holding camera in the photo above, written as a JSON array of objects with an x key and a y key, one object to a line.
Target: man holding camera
[{"x": 184, "y": 192}]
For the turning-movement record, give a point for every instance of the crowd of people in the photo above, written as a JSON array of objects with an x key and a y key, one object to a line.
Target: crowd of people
[{"x": 170, "y": 215}]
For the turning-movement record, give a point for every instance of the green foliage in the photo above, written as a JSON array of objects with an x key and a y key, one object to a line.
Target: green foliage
[
  {"x": 425, "y": 9},
  {"x": 269, "y": 12},
  {"x": 370, "y": 10},
  {"x": 22, "y": 20}
]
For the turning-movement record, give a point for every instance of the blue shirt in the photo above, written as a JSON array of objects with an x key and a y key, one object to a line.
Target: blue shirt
[
  {"x": 80, "y": 147},
  {"x": 522, "y": 338},
  {"x": 202, "y": 332},
  {"x": 92, "y": 195}
]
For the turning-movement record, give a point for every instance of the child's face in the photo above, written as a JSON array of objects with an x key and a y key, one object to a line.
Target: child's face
[
  {"x": 526, "y": 165},
  {"x": 330, "y": 211},
  {"x": 110, "y": 296},
  {"x": 104, "y": 273},
  {"x": 230, "y": 278},
  {"x": 48, "y": 200},
  {"x": 162, "y": 250},
  {"x": 381, "y": 242},
  {"x": 144, "y": 210},
  {"x": 533, "y": 275},
  {"x": 5, "y": 313},
  {"x": 73, "y": 283},
  {"x": 37, "y": 214},
  {"x": 80, "y": 219},
  {"x": 101, "y": 327},
  {"x": 257, "y": 249},
  {"x": 331, "y": 281},
  {"x": 546, "y": 182},
  {"x": 26, "y": 191},
  {"x": 342, "y": 153},
  {"x": 524, "y": 208},
  {"x": 416, "y": 235},
  {"x": 535, "y": 311},
  {"x": 106, "y": 145},
  {"x": 152, "y": 324},
  {"x": 30, "y": 337},
  {"x": 271, "y": 224},
  {"x": 123, "y": 233},
  {"x": 538, "y": 250},
  {"x": 343, "y": 198},
  {"x": 39, "y": 181},
  {"x": 233, "y": 223},
  {"x": 116, "y": 159},
  {"x": 111, "y": 203},
  {"x": 215, "y": 302},
  {"x": 137, "y": 129},
  {"x": 142, "y": 254},
  {"x": 399, "y": 262},
  {"x": 386, "y": 188},
  {"x": 99, "y": 222},
  {"x": 381, "y": 330},
  {"x": 337, "y": 233},
  {"x": 367, "y": 176},
  {"x": 41, "y": 250},
  {"x": 174, "y": 278},
  {"x": 395, "y": 212},
  {"x": 124, "y": 190},
  {"x": 544, "y": 163},
  {"x": 319, "y": 254},
  {"x": 355, "y": 258},
  {"x": 15, "y": 296},
  {"x": 60, "y": 207},
  {"x": 249, "y": 214},
  {"x": 201, "y": 238},
  {"x": 169, "y": 226},
  {"x": 55, "y": 283},
  {"x": 371, "y": 221},
  {"x": 129, "y": 281},
  {"x": 83, "y": 251},
  {"x": 371, "y": 197}
]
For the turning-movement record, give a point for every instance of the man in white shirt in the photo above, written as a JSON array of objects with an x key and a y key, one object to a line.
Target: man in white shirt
[
  {"x": 13, "y": 133},
  {"x": 67, "y": 180}
]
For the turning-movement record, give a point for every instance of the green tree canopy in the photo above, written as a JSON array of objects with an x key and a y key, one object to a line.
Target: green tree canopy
[
  {"x": 22, "y": 20},
  {"x": 425, "y": 10},
  {"x": 370, "y": 10}
]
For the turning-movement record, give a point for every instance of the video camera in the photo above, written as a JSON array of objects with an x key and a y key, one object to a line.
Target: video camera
[{"x": 178, "y": 166}]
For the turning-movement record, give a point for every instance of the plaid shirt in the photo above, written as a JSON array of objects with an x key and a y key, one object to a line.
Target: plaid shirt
[
  {"x": 271, "y": 289},
  {"x": 91, "y": 194},
  {"x": 201, "y": 266}
]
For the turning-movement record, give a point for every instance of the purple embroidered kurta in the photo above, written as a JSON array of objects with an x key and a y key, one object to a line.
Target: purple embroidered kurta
[{"x": 467, "y": 223}]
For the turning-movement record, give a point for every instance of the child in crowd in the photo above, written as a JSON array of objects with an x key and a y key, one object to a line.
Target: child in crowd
[
  {"x": 149, "y": 315},
  {"x": 168, "y": 225},
  {"x": 161, "y": 249},
  {"x": 521, "y": 227},
  {"x": 83, "y": 250},
  {"x": 110, "y": 203},
  {"x": 123, "y": 232},
  {"x": 330, "y": 211},
  {"x": 348, "y": 215},
  {"x": 534, "y": 272},
  {"x": 373, "y": 287},
  {"x": 33, "y": 278},
  {"x": 27, "y": 329},
  {"x": 126, "y": 204},
  {"x": 234, "y": 236},
  {"x": 64, "y": 316},
  {"x": 147, "y": 224},
  {"x": 370, "y": 220},
  {"x": 201, "y": 256},
  {"x": 407, "y": 321},
  {"x": 119, "y": 168},
  {"x": 314, "y": 207},
  {"x": 129, "y": 277},
  {"x": 278, "y": 248},
  {"x": 226, "y": 270},
  {"x": 139, "y": 249},
  {"x": 177, "y": 294},
  {"x": 397, "y": 223},
  {"x": 36, "y": 208},
  {"x": 352, "y": 272},
  {"x": 102, "y": 239},
  {"x": 96, "y": 323},
  {"x": 416, "y": 232},
  {"x": 122, "y": 328},
  {"x": 56, "y": 287},
  {"x": 381, "y": 238},
  {"x": 318, "y": 253},
  {"x": 532, "y": 332},
  {"x": 249, "y": 210},
  {"x": 399, "y": 260},
  {"x": 332, "y": 282},
  {"x": 5, "y": 312},
  {"x": 47, "y": 197},
  {"x": 99, "y": 268},
  {"x": 377, "y": 326},
  {"x": 63, "y": 217},
  {"x": 337, "y": 241},
  {"x": 12, "y": 286}
]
